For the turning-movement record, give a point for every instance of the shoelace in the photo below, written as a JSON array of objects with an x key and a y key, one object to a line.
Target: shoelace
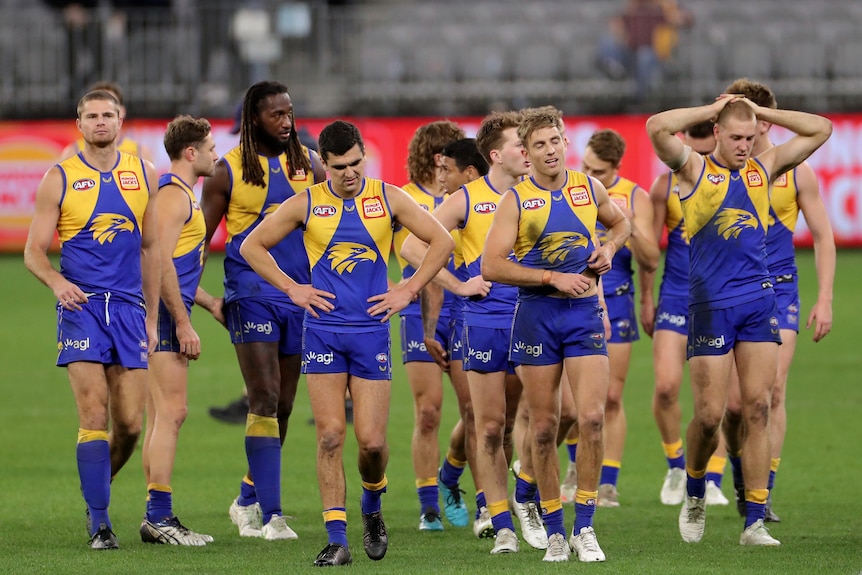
[
  {"x": 453, "y": 497},
  {"x": 590, "y": 543},
  {"x": 695, "y": 513},
  {"x": 533, "y": 518},
  {"x": 556, "y": 545}
]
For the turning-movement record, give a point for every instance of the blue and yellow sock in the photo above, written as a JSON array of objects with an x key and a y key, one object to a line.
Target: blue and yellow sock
[
  {"x": 585, "y": 508},
  {"x": 371, "y": 492},
  {"x": 159, "y": 502},
  {"x": 736, "y": 469},
  {"x": 451, "y": 471},
  {"x": 525, "y": 488},
  {"x": 500, "y": 516},
  {"x": 715, "y": 469},
  {"x": 480, "y": 502},
  {"x": 572, "y": 447},
  {"x": 552, "y": 515},
  {"x": 429, "y": 495},
  {"x": 755, "y": 505},
  {"x": 773, "y": 469},
  {"x": 674, "y": 454},
  {"x": 335, "y": 520},
  {"x": 247, "y": 493},
  {"x": 94, "y": 469},
  {"x": 263, "y": 449},
  {"x": 610, "y": 472},
  {"x": 695, "y": 486}
]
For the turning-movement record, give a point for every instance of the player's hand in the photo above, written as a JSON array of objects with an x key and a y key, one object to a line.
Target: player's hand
[
  {"x": 476, "y": 285},
  {"x": 723, "y": 100},
  {"x": 217, "y": 311},
  {"x": 600, "y": 260},
  {"x": 152, "y": 332},
  {"x": 70, "y": 296},
  {"x": 647, "y": 316},
  {"x": 309, "y": 298},
  {"x": 570, "y": 284},
  {"x": 390, "y": 302},
  {"x": 821, "y": 317},
  {"x": 190, "y": 343},
  {"x": 437, "y": 352}
]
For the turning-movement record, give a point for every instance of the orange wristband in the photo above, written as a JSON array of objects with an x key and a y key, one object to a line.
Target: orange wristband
[{"x": 546, "y": 277}]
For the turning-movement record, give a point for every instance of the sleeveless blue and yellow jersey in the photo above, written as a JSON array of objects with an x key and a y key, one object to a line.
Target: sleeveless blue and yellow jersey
[
  {"x": 783, "y": 215},
  {"x": 429, "y": 202},
  {"x": 247, "y": 207},
  {"x": 674, "y": 281},
  {"x": 125, "y": 144},
  {"x": 348, "y": 242},
  {"x": 726, "y": 216},
  {"x": 621, "y": 192},
  {"x": 100, "y": 225},
  {"x": 189, "y": 252},
  {"x": 555, "y": 227},
  {"x": 495, "y": 310}
]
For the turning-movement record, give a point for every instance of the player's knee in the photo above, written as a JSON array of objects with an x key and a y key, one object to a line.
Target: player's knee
[
  {"x": 372, "y": 448},
  {"x": 757, "y": 413},
  {"x": 264, "y": 402},
  {"x": 666, "y": 395},
  {"x": 614, "y": 401},
  {"x": 492, "y": 434},
  {"x": 427, "y": 418},
  {"x": 545, "y": 430},
  {"x": 591, "y": 423},
  {"x": 709, "y": 423},
  {"x": 330, "y": 440},
  {"x": 176, "y": 414}
]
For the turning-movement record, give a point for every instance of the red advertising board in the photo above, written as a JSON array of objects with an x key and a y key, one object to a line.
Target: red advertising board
[{"x": 28, "y": 149}]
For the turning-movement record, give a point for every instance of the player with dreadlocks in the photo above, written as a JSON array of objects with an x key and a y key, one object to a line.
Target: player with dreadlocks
[{"x": 250, "y": 182}]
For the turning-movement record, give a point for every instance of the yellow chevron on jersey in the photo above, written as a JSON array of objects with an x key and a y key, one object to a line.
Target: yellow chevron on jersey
[
  {"x": 195, "y": 228},
  {"x": 125, "y": 144},
  {"x": 783, "y": 202},
  {"x": 429, "y": 203},
  {"x": 83, "y": 184},
  {"x": 673, "y": 216},
  {"x": 702, "y": 205},
  {"x": 249, "y": 203},
  {"x": 482, "y": 200},
  {"x": 538, "y": 244},
  {"x": 327, "y": 210}
]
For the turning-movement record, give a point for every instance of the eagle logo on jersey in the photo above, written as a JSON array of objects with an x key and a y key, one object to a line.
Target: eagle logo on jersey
[
  {"x": 345, "y": 255},
  {"x": 557, "y": 245},
  {"x": 731, "y": 222},
  {"x": 105, "y": 227}
]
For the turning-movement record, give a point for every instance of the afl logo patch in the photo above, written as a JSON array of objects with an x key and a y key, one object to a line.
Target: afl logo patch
[
  {"x": 83, "y": 184},
  {"x": 381, "y": 357},
  {"x": 299, "y": 174},
  {"x": 754, "y": 179},
  {"x": 128, "y": 180},
  {"x": 715, "y": 178},
  {"x": 533, "y": 203},
  {"x": 373, "y": 207},
  {"x": 485, "y": 208},
  {"x": 579, "y": 196},
  {"x": 323, "y": 211}
]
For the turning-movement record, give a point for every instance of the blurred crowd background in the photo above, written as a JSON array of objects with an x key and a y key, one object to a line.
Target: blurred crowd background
[{"x": 437, "y": 58}]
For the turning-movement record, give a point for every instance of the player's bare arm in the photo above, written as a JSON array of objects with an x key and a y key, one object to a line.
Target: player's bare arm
[
  {"x": 150, "y": 257},
  {"x": 643, "y": 241},
  {"x": 42, "y": 228},
  {"x": 440, "y": 245},
  {"x": 618, "y": 228},
  {"x": 172, "y": 207},
  {"x": 496, "y": 265},
  {"x": 812, "y": 207},
  {"x": 658, "y": 198},
  {"x": 255, "y": 249},
  {"x": 811, "y": 131}
]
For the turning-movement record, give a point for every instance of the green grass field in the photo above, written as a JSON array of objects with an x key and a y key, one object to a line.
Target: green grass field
[{"x": 41, "y": 510}]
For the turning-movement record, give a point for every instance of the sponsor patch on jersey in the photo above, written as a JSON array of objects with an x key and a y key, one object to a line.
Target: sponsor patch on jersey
[
  {"x": 299, "y": 174},
  {"x": 128, "y": 180},
  {"x": 533, "y": 203},
  {"x": 781, "y": 181},
  {"x": 83, "y": 184},
  {"x": 715, "y": 178},
  {"x": 325, "y": 211},
  {"x": 373, "y": 207},
  {"x": 381, "y": 357},
  {"x": 485, "y": 208},
  {"x": 579, "y": 196},
  {"x": 621, "y": 200},
  {"x": 754, "y": 179}
]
